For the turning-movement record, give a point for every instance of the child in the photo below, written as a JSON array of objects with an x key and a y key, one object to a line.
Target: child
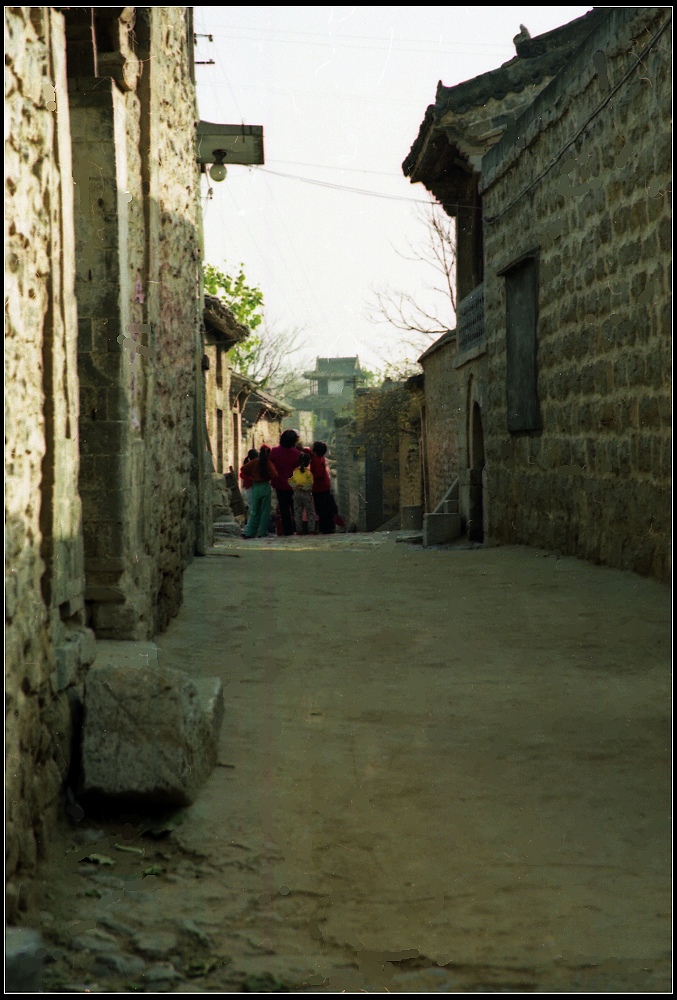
[
  {"x": 302, "y": 484},
  {"x": 325, "y": 505},
  {"x": 260, "y": 470},
  {"x": 247, "y": 483}
]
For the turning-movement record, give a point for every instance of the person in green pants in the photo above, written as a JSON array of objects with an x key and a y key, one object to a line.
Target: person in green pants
[{"x": 260, "y": 470}]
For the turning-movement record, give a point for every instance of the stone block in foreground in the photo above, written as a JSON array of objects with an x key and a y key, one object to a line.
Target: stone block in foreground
[
  {"x": 24, "y": 957},
  {"x": 150, "y": 732},
  {"x": 440, "y": 528}
]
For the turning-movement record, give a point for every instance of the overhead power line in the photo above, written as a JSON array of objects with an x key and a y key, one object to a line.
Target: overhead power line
[
  {"x": 318, "y": 38},
  {"x": 352, "y": 190}
]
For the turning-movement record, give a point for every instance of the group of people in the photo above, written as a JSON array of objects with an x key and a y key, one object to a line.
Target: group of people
[{"x": 301, "y": 481}]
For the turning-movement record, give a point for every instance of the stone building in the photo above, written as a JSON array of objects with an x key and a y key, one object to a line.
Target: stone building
[
  {"x": 257, "y": 417},
  {"x": 578, "y": 305},
  {"x": 262, "y": 419},
  {"x": 222, "y": 331},
  {"x": 562, "y": 381},
  {"x": 107, "y": 469},
  {"x": 333, "y": 382},
  {"x": 457, "y": 131}
]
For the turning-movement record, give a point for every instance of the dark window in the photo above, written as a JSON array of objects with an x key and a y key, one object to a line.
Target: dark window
[
  {"x": 81, "y": 52},
  {"x": 521, "y": 295}
]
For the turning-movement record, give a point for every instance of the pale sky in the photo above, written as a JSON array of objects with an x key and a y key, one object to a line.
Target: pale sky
[{"x": 341, "y": 93}]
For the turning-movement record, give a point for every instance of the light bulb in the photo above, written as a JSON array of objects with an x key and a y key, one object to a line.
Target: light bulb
[{"x": 217, "y": 172}]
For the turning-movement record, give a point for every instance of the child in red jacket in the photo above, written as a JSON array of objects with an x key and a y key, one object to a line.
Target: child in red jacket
[{"x": 247, "y": 481}]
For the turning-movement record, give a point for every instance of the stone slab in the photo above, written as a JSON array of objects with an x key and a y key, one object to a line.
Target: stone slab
[
  {"x": 450, "y": 507},
  {"x": 150, "y": 732},
  {"x": 440, "y": 528}
]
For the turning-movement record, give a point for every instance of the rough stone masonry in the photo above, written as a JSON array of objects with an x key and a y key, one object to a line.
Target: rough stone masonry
[
  {"x": 106, "y": 497},
  {"x": 588, "y": 185}
]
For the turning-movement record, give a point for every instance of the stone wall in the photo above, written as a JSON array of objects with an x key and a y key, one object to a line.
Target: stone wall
[
  {"x": 587, "y": 186},
  {"x": 267, "y": 430},
  {"x": 46, "y": 644},
  {"x": 104, "y": 387},
  {"x": 443, "y": 404},
  {"x": 143, "y": 479},
  {"x": 411, "y": 459},
  {"x": 217, "y": 407},
  {"x": 350, "y": 475},
  {"x": 176, "y": 497},
  {"x": 471, "y": 387}
]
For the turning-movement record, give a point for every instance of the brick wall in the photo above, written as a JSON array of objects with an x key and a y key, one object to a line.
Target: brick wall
[{"x": 595, "y": 480}]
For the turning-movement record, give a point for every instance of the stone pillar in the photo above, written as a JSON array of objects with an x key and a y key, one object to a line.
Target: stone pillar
[{"x": 109, "y": 363}]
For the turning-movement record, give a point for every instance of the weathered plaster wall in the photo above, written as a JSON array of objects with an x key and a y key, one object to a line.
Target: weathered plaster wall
[{"x": 595, "y": 481}]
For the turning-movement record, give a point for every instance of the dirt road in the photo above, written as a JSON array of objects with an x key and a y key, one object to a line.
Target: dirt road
[{"x": 441, "y": 771}]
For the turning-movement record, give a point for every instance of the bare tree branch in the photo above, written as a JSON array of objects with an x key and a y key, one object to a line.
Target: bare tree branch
[
  {"x": 271, "y": 356},
  {"x": 437, "y": 250}
]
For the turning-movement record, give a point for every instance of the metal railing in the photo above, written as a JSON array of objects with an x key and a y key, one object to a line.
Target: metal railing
[{"x": 470, "y": 320}]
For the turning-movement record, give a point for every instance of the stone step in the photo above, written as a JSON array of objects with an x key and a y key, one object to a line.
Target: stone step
[{"x": 410, "y": 537}]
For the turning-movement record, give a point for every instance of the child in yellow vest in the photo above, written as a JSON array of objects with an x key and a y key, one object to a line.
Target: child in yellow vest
[{"x": 302, "y": 483}]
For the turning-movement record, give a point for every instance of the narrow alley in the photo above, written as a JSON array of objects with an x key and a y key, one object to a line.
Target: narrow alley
[
  {"x": 401, "y": 275},
  {"x": 441, "y": 770}
]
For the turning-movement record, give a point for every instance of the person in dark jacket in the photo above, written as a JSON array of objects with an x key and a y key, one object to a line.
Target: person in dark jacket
[
  {"x": 325, "y": 505},
  {"x": 285, "y": 457}
]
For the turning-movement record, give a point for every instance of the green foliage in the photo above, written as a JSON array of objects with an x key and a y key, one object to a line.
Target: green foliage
[
  {"x": 370, "y": 378},
  {"x": 245, "y": 301},
  {"x": 267, "y": 355},
  {"x": 244, "y": 358},
  {"x": 382, "y": 411}
]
